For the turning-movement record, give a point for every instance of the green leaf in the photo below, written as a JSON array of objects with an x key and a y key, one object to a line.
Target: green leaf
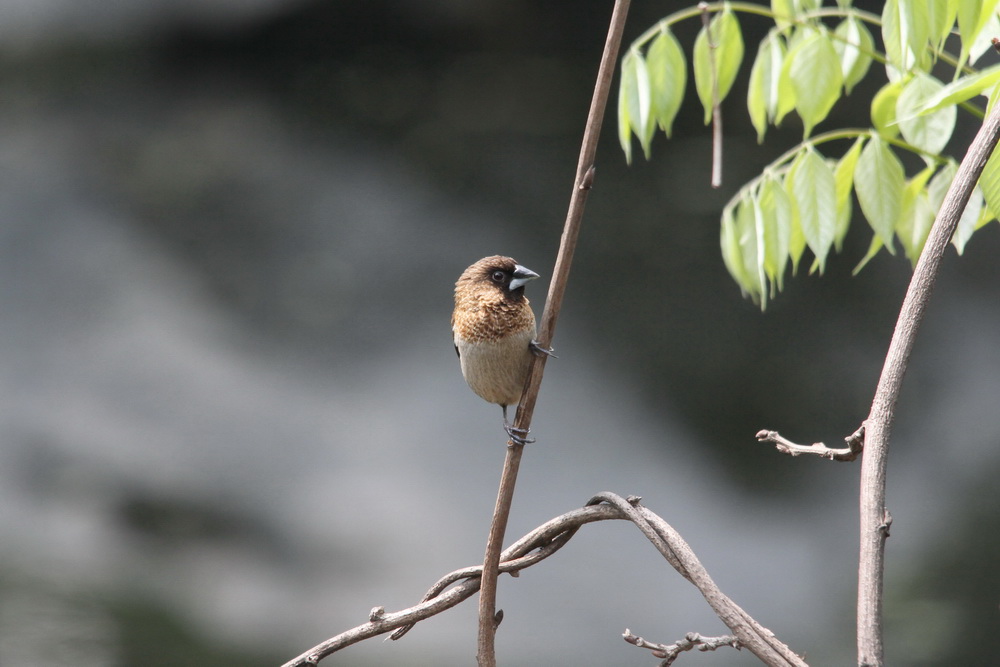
[
  {"x": 750, "y": 232},
  {"x": 728, "y": 53},
  {"x": 938, "y": 187},
  {"x": 759, "y": 231},
  {"x": 878, "y": 182},
  {"x": 941, "y": 16},
  {"x": 854, "y": 49},
  {"x": 972, "y": 17},
  {"x": 784, "y": 12},
  {"x": 994, "y": 94},
  {"x": 984, "y": 41},
  {"x": 960, "y": 90},
  {"x": 843, "y": 178},
  {"x": 764, "y": 89},
  {"x": 873, "y": 249},
  {"x": 732, "y": 254},
  {"x": 923, "y": 220},
  {"x": 929, "y": 132},
  {"x": 796, "y": 243},
  {"x": 894, "y": 36},
  {"x": 667, "y": 70},
  {"x": 627, "y": 96},
  {"x": 985, "y": 217},
  {"x": 884, "y": 109},
  {"x": 814, "y": 70},
  {"x": 915, "y": 215},
  {"x": 905, "y": 25},
  {"x": 639, "y": 102},
  {"x": 634, "y": 104},
  {"x": 989, "y": 181},
  {"x": 786, "y": 89},
  {"x": 969, "y": 222},
  {"x": 940, "y": 19},
  {"x": 814, "y": 201},
  {"x": 776, "y": 211}
]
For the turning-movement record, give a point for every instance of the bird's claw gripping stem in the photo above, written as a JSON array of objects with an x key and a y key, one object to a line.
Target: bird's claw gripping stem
[
  {"x": 518, "y": 435},
  {"x": 539, "y": 351}
]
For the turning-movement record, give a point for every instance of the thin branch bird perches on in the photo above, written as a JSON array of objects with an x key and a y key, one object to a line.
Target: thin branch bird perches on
[{"x": 582, "y": 183}]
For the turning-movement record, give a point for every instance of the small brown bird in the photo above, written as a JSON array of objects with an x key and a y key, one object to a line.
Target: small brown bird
[{"x": 494, "y": 332}]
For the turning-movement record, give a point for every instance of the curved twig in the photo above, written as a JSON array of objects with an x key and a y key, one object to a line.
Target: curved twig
[{"x": 756, "y": 638}]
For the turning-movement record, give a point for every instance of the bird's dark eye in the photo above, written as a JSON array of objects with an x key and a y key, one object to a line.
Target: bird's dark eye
[{"x": 498, "y": 276}]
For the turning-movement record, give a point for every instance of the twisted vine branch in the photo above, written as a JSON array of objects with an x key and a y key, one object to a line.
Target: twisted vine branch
[{"x": 541, "y": 543}]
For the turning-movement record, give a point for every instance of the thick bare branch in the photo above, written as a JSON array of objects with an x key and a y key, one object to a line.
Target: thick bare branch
[
  {"x": 878, "y": 426},
  {"x": 872, "y": 439}
]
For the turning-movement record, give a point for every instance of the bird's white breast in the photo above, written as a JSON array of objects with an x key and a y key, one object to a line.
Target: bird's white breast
[{"x": 496, "y": 371}]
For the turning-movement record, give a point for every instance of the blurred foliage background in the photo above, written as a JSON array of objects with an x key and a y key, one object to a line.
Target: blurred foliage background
[{"x": 232, "y": 417}]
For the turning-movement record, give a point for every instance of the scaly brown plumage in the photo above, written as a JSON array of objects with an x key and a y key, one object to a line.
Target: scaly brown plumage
[{"x": 494, "y": 331}]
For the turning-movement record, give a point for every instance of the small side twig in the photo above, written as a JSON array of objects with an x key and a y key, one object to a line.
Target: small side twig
[
  {"x": 692, "y": 640},
  {"x": 855, "y": 444},
  {"x": 716, "y": 107}
]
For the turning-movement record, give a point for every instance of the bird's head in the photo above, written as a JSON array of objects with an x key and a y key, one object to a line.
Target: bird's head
[{"x": 494, "y": 278}]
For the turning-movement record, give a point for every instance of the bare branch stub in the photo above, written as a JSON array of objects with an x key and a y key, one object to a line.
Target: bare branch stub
[
  {"x": 855, "y": 444},
  {"x": 670, "y": 652}
]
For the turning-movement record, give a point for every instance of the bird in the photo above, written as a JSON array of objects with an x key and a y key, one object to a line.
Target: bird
[{"x": 494, "y": 332}]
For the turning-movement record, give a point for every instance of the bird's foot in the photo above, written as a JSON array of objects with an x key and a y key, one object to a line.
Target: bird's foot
[
  {"x": 539, "y": 351},
  {"x": 518, "y": 436}
]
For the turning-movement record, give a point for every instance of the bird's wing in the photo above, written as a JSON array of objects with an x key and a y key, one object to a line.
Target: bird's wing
[{"x": 459, "y": 354}]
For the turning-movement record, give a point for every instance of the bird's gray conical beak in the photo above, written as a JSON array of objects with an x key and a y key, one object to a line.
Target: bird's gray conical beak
[{"x": 521, "y": 276}]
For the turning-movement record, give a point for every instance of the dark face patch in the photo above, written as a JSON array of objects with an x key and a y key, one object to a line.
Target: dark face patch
[{"x": 501, "y": 275}]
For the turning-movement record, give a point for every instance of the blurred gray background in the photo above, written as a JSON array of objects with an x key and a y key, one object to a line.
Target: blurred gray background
[{"x": 232, "y": 418}]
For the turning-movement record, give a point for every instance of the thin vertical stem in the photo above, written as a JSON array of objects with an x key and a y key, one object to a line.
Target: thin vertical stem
[
  {"x": 486, "y": 653},
  {"x": 706, "y": 23}
]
